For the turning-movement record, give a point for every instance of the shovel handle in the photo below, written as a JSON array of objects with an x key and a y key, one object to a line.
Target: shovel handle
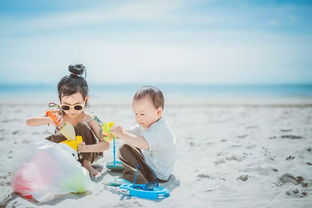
[
  {"x": 53, "y": 117},
  {"x": 106, "y": 127}
]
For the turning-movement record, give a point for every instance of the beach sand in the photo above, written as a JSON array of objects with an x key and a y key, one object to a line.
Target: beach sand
[{"x": 229, "y": 155}]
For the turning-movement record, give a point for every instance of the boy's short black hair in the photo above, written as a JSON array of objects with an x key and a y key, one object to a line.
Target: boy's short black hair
[{"x": 154, "y": 93}]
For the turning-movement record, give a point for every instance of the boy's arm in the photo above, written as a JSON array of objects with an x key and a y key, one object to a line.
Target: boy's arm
[{"x": 132, "y": 139}]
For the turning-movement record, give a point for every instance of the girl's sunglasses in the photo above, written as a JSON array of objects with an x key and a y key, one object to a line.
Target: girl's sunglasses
[{"x": 77, "y": 107}]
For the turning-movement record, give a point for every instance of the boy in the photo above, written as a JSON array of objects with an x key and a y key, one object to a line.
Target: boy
[{"x": 150, "y": 145}]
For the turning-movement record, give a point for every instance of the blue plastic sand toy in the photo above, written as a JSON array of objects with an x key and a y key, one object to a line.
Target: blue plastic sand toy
[
  {"x": 150, "y": 190},
  {"x": 140, "y": 190}
]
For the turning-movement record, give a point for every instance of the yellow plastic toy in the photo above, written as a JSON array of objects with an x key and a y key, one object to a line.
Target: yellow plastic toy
[
  {"x": 73, "y": 143},
  {"x": 108, "y": 136}
]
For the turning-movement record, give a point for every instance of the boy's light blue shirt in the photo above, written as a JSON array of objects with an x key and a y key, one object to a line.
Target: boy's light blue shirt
[{"x": 161, "y": 154}]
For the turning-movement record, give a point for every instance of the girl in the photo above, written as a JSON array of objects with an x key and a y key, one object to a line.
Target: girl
[{"x": 73, "y": 96}]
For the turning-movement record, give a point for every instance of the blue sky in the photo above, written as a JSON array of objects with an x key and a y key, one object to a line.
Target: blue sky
[{"x": 180, "y": 41}]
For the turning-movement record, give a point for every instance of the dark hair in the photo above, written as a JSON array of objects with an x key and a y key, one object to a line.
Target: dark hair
[
  {"x": 74, "y": 82},
  {"x": 154, "y": 93}
]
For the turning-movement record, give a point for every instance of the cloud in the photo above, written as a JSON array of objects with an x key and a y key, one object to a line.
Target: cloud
[
  {"x": 160, "y": 41},
  {"x": 157, "y": 14},
  {"x": 194, "y": 57},
  {"x": 151, "y": 12}
]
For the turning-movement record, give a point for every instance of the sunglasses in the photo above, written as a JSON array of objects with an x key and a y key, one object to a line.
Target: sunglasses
[{"x": 66, "y": 107}]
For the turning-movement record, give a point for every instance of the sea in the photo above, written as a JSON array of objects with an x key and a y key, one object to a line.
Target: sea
[{"x": 186, "y": 92}]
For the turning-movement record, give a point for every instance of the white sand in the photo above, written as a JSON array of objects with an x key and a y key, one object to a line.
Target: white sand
[{"x": 228, "y": 156}]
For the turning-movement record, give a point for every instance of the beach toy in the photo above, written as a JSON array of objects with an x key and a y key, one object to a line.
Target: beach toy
[
  {"x": 146, "y": 192},
  {"x": 65, "y": 129},
  {"x": 108, "y": 136},
  {"x": 118, "y": 182},
  {"x": 150, "y": 190},
  {"x": 50, "y": 172},
  {"x": 73, "y": 143}
]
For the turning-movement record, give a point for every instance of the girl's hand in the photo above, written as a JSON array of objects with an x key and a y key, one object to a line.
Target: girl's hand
[
  {"x": 59, "y": 119},
  {"x": 82, "y": 147},
  {"x": 117, "y": 131}
]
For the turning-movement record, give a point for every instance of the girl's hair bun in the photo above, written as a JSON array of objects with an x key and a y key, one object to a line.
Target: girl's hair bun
[{"x": 77, "y": 70}]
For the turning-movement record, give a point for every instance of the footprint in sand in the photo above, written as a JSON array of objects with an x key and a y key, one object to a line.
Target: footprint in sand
[
  {"x": 206, "y": 176},
  {"x": 25, "y": 141},
  {"x": 242, "y": 136},
  {"x": 251, "y": 127},
  {"x": 202, "y": 175},
  {"x": 286, "y": 130},
  {"x": 289, "y": 178},
  {"x": 302, "y": 191},
  {"x": 290, "y": 157},
  {"x": 15, "y": 132},
  {"x": 243, "y": 178},
  {"x": 296, "y": 193},
  {"x": 233, "y": 157},
  {"x": 219, "y": 161},
  {"x": 251, "y": 146},
  {"x": 4, "y": 181},
  {"x": 260, "y": 170},
  {"x": 235, "y": 145},
  {"x": 291, "y": 137},
  {"x": 275, "y": 170}
]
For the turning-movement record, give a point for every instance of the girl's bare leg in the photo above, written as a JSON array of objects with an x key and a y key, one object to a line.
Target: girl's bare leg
[{"x": 87, "y": 164}]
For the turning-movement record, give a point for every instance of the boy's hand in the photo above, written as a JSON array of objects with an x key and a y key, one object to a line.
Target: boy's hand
[{"x": 117, "y": 131}]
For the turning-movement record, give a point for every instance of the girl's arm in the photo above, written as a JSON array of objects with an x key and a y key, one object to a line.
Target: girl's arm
[
  {"x": 99, "y": 147},
  {"x": 95, "y": 127},
  {"x": 39, "y": 121},
  {"x": 132, "y": 139}
]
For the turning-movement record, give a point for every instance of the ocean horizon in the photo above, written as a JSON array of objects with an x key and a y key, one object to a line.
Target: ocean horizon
[{"x": 125, "y": 91}]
